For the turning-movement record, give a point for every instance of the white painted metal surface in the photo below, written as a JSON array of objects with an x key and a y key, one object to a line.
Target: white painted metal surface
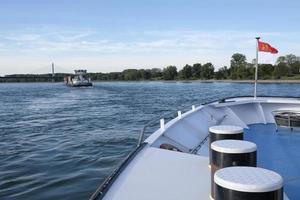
[
  {"x": 233, "y": 146},
  {"x": 225, "y": 129},
  {"x": 248, "y": 179},
  {"x": 161, "y": 174}
]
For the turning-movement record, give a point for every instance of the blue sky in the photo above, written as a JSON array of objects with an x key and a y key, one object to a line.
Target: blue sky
[{"x": 113, "y": 35}]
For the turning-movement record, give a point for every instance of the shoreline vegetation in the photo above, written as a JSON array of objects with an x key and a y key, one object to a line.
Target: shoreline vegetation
[
  {"x": 286, "y": 70},
  {"x": 270, "y": 81}
]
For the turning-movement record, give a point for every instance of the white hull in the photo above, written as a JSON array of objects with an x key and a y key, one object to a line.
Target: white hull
[{"x": 155, "y": 173}]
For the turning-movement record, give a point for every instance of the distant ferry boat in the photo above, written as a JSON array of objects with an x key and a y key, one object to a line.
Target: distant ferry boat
[{"x": 79, "y": 79}]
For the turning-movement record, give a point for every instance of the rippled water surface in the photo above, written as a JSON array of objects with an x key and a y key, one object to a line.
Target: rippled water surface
[{"x": 60, "y": 143}]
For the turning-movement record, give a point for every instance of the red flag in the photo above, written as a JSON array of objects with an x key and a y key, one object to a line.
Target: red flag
[{"x": 262, "y": 46}]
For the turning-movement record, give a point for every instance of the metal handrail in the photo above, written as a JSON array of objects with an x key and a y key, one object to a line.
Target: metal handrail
[
  {"x": 141, "y": 136},
  {"x": 289, "y": 115},
  {"x": 202, "y": 142},
  {"x": 220, "y": 100},
  {"x": 104, "y": 187},
  {"x": 155, "y": 120}
]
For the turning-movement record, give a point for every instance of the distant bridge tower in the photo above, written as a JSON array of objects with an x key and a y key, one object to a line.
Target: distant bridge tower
[{"x": 52, "y": 71}]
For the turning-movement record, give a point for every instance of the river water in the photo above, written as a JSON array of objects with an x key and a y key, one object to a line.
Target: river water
[{"x": 58, "y": 142}]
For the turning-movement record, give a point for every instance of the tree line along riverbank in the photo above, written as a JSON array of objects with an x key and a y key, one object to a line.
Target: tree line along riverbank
[{"x": 287, "y": 69}]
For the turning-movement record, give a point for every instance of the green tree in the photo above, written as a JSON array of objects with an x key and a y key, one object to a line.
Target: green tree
[
  {"x": 222, "y": 73},
  {"x": 170, "y": 73},
  {"x": 280, "y": 70},
  {"x": 295, "y": 67},
  {"x": 145, "y": 74},
  {"x": 114, "y": 76},
  {"x": 207, "y": 71},
  {"x": 156, "y": 73},
  {"x": 290, "y": 59},
  {"x": 281, "y": 59},
  {"x": 265, "y": 71},
  {"x": 186, "y": 72},
  {"x": 238, "y": 60},
  {"x": 241, "y": 72},
  {"x": 131, "y": 75},
  {"x": 238, "y": 64},
  {"x": 196, "y": 70}
]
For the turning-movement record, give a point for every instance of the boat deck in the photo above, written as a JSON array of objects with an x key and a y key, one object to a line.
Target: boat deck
[
  {"x": 163, "y": 174},
  {"x": 280, "y": 152}
]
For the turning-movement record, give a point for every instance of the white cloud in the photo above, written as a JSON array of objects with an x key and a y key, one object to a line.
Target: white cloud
[{"x": 30, "y": 49}]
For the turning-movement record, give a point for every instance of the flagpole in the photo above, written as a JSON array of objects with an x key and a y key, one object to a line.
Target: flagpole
[{"x": 256, "y": 67}]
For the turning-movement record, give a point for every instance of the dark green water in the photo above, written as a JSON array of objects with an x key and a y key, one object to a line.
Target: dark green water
[{"x": 60, "y": 143}]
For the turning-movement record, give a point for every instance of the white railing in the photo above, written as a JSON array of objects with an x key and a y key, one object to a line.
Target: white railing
[{"x": 162, "y": 119}]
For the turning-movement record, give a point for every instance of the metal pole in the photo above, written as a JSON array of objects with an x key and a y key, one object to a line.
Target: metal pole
[
  {"x": 52, "y": 72},
  {"x": 256, "y": 67}
]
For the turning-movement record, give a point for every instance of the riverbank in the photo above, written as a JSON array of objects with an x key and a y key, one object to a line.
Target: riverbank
[
  {"x": 246, "y": 81},
  {"x": 213, "y": 81},
  {"x": 176, "y": 81}
]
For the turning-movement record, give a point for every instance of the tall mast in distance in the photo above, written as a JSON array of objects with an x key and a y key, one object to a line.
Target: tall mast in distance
[{"x": 52, "y": 71}]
